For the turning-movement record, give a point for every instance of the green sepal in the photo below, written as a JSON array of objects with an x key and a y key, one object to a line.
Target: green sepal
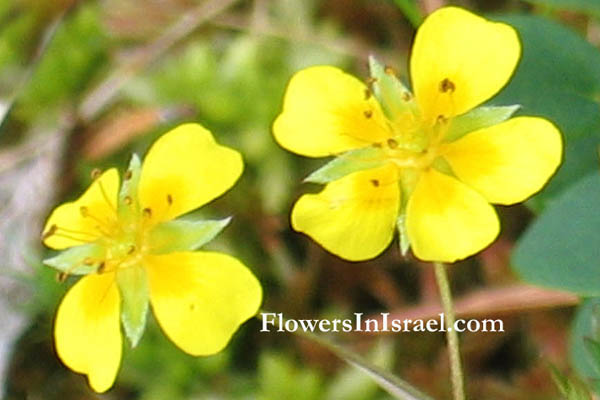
[
  {"x": 133, "y": 287},
  {"x": 403, "y": 239},
  {"x": 391, "y": 93},
  {"x": 347, "y": 163},
  {"x": 128, "y": 195},
  {"x": 78, "y": 260},
  {"x": 183, "y": 235},
  {"x": 478, "y": 118}
]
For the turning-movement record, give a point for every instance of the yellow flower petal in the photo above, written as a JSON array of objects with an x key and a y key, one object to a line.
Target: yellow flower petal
[
  {"x": 86, "y": 331},
  {"x": 459, "y": 60},
  {"x": 185, "y": 169},
  {"x": 353, "y": 217},
  {"x": 448, "y": 221},
  {"x": 326, "y": 112},
  {"x": 200, "y": 299},
  {"x": 507, "y": 162},
  {"x": 72, "y": 227}
]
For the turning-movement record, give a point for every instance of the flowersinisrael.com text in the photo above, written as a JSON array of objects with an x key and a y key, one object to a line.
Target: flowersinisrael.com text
[{"x": 276, "y": 322}]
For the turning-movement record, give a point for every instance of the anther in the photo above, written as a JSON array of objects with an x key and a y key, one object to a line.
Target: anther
[
  {"x": 441, "y": 119},
  {"x": 392, "y": 144},
  {"x": 84, "y": 211},
  {"x": 131, "y": 249},
  {"x": 147, "y": 212},
  {"x": 406, "y": 96},
  {"x": 96, "y": 172},
  {"x": 375, "y": 182},
  {"x": 371, "y": 80},
  {"x": 88, "y": 261},
  {"x": 389, "y": 70},
  {"x": 49, "y": 232},
  {"x": 368, "y": 94},
  {"x": 377, "y": 145},
  {"x": 368, "y": 114},
  {"x": 128, "y": 175},
  {"x": 101, "y": 268},
  {"x": 169, "y": 199},
  {"x": 447, "y": 86},
  {"x": 61, "y": 277},
  {"x": 127, "y": 200}
]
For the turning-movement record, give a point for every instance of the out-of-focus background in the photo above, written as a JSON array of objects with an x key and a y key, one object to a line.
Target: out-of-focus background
[{"x": 83, "y": 84}]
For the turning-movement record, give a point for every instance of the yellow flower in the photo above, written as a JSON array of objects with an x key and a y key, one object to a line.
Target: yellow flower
[
  {"x": 133, "y": 252},
  {"x": 428, "y": 163}
]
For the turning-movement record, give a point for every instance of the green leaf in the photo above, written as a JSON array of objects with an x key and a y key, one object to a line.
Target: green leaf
[
  {"x": 478, "y": 118},
  {"x": 560, "y": 249},
  {"x": 590, "y": 7},
  {"x": 347, "y": 163},
  {"x": 395, "y": 386},
  {"x": 78, "y": 260},
  {"x": 184, "y": 235},
  {"x": 351, "y": 384},
  {"x": 585, "y": 328},
  {"x": 392, "y": 95},
  {"x": 558, "y": 78},
  {"x": 133, "y": 287}
]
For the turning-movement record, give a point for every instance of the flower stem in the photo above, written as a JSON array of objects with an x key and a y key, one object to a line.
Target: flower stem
[{"x": 441, "y": 276}]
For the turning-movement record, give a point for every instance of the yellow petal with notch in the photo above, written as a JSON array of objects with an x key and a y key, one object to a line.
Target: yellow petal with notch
[
  {"x": 459, "y": 60},
  {"x": 68, "y": 226},
  {"x": 507, "y": 162},
  {"x": 200, "y": 298},
  {"x": 86, "y": 330},
  {"x": 448, "y": 221},
  {"x": 326, "y": 112},
  {"x": 353, "y": 217},
  {"x": 185, "y": 169}
]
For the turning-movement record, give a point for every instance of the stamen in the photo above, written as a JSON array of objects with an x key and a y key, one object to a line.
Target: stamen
[
  {"x": 76, "y": 239},
  {"x": 406, "y": 96},
  {"x": 447, "y": 86},
  {"x": 102, "y": 224},
  {"x": 392, "y": 144},
  {"x": 131, "y": 249},
  {"x": 76, "y": 232},
  {"x": 377, "y": 145},
  {"x": 441, "y": 119},
  {"x": 375, "y": 182},
  {"x": 368, "y": 114},
  {"x": 368, "y": 93},
  {"x": 96, "y": 173},
  {"x": 371, "y": 80},
  {"x": 101, "y": 267},
  {"x": 169, "y": 199},
  {"x": 61, "y": 277},
  {"x": 88, "y": 261},
  {"x": 389, "y": 70},
  {"x": 128, "y": 175},
  {"x": 147, "y": 212},
  {"x": 49, "y": 232},
  {"x": 105, "y": 196},
  {"x": 127, "y": 200}
]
